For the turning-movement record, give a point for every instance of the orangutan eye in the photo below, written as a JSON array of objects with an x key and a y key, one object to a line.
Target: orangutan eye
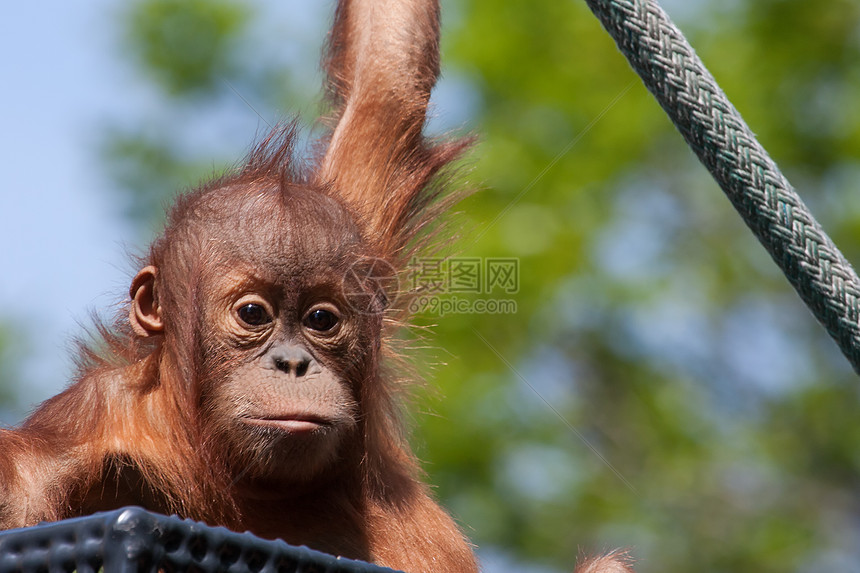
[
  {"x": 254, "y": 314},
  {"x": 321, "y": 320}
]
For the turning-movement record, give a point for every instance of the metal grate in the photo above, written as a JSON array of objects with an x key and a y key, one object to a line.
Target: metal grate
[{"x": 133, "y": 540}]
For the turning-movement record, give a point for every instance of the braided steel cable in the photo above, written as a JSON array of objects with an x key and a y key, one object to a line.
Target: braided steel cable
[{"x": 714, "y": 129}]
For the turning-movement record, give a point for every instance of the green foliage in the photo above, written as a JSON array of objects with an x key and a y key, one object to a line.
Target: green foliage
[
  {"x": 152, "y": 168},
  {"x": 149, "y": 168},
  {"x": 186, "y": 45},
  {"x": 10, "y": 351}
]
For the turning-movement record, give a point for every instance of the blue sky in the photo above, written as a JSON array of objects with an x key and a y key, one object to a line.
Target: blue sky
[{"x": 61, "y": 238}]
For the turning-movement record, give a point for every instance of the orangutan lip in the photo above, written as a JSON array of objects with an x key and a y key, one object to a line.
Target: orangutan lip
[{"x": 291, "y": 424}]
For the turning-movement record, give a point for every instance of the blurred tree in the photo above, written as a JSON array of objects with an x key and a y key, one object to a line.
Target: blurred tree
[
  {"x": 659, "y": 386},
  {"x": 187, "y": 46},
  {"x": 10, "y": 356}
]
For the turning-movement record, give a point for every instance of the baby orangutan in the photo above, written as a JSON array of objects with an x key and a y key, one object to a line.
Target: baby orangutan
[{"x": 244, "y": 388}]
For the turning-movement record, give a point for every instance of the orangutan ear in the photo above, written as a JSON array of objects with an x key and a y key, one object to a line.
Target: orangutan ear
[{"x": 145, "y": 313}]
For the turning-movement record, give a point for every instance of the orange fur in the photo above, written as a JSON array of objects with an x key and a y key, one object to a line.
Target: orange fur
[
  {"x": 155, "y": 415},
  {"x": 612, "y": 562}
]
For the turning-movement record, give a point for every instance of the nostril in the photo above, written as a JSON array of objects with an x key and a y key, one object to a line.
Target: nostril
[{"x": 302, "y": 368}]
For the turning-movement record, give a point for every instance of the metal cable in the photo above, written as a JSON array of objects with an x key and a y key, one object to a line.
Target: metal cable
[{"x": 714, "y": 129}]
